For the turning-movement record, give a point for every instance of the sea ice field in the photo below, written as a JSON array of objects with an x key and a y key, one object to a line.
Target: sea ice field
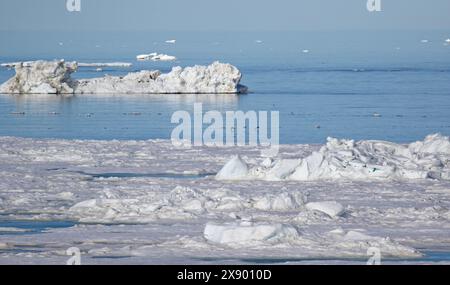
[
  {"x": 136, "y": 202},
  {"x": 364, "y": 160}
]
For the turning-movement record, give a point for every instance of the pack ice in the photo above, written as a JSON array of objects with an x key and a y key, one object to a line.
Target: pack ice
[
  {"x": 54, "y": 77},
  {"x": 347, "y": 159},
  {"x": 165, "y": 219}
]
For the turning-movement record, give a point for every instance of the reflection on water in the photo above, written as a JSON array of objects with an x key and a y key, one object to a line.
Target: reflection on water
[
  {"x": 32, "y": 227},
  {"x": 351, "y": 84},
  {"x": 125, "y": 175},
  {"x": 304, "y": 118},
  {"x": 100, "y": 116}
]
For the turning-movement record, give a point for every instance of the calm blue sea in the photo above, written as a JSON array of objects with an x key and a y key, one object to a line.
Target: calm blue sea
[{"x": 344, "y": 79}]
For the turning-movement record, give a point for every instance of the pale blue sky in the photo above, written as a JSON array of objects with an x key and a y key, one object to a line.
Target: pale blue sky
[{"x": 251, "y": 15}]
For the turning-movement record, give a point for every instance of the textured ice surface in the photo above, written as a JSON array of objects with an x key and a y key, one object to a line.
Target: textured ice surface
[
  {"x": 53, "y": 77},
  {"x": 249, "y": 234},
  {"x": 331, "y": 208},
  {"x": 153, "y": 219},
  {"x": 347, "y": 159},
  {"x": 235, "y": 169}
]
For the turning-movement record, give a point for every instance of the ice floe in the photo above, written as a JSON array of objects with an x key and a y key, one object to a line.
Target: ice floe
[
  {"x": 347, "y": 159},
  {"x": 264, "y": 235},
  {"x": 331, "y": 208},
  {"x": 156, "y": 57},
  {"x": 54, "y": 77},
  {"x": 105, "y": 64},
  {"x": 248, "y": 233},
  {"x": 79, "y": 64},
  {"x": 280, "y": 202},
  {"x": 181, "y": 203},
  {"x": 235, "y": 169}
]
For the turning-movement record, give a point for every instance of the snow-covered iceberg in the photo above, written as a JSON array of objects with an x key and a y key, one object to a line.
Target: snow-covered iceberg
[
  {"x": 54, "y": 77},
  {"x": 347, "y": 159}
]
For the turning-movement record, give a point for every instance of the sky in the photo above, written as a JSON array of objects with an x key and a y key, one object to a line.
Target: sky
[{"x": 230, "y": 15}]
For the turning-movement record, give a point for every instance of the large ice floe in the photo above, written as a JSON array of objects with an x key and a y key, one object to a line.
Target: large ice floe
[
  {"x": 347, "y": 159},
  {"x": 54, "y": 77},
  {"x": 148, "y": 202}
]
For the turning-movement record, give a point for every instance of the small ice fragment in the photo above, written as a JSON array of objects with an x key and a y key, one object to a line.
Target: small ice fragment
[
  {"x": 376, "y": 115},
  {"x": 279, "y": 202},
  {"x": 332, "y": 209},
  {"x": 156, "y": 57},
  {"x": 338, "y": 231},
  {"x": 424, "y": 41},
  {"x": 248, "y": 233},
  {"x": 171, "y": 41},
  {"x": 447, "y": 41},
  {"x": 305, "y": 51},
  {"x": 267, "y": 162},
  {"x": 60, "y": 43},
  {"x": 358, "y": 236},
  {"x": 164, "y": 57},
  {"x": 259, "y": 41},
  {"x": 145, "y": 56},
  {"x": 235, "y": 169}
]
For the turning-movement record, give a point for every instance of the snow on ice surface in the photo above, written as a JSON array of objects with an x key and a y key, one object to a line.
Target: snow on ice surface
[
  {"x": 332, "y": 209},
  {"x": 347, "y": 159},
  {"x": 248, "y": 234},
  {"x": 152, "y": 219}
]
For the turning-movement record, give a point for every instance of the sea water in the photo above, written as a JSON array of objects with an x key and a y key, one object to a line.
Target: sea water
[{"x": 350, "y": 84}]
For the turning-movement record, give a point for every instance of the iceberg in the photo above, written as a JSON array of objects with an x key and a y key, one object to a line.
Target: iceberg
[{"x": 54, "y": 77}]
